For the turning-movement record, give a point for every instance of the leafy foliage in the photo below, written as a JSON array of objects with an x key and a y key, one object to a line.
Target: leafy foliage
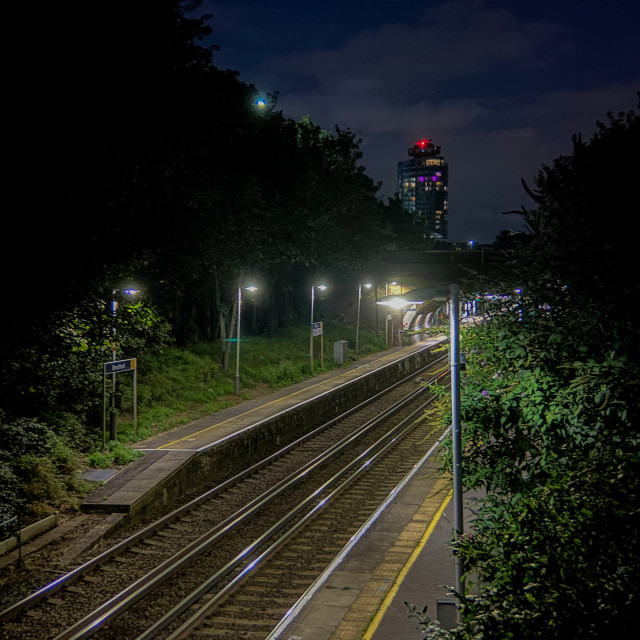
[
  {"x": 551, "y": 419},
  {"x": 37, "y": 470},
  {"x": 59, "y": 371},
  {"x": 151, "y": 161}
]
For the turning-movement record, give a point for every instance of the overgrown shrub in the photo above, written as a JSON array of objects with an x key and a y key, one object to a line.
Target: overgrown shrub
[
  {"x": 38, "y": 471},
  {"x": 115, "y": 453}
]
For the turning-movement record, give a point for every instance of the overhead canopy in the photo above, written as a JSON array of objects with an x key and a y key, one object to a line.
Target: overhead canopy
[
  {"x": 415, "y": 296},
  {"x": 434, "y": 269}
]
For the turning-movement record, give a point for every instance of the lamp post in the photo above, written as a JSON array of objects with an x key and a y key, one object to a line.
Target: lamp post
[
  {"x": 322, "y": 287},
  {"x": 237, "y": 378},
  {"x": 113, "y": 404},
  {"x": 456, "y": 434},
  {"x": 386, "y": 316},
  {"x": 368, "y": 286}
]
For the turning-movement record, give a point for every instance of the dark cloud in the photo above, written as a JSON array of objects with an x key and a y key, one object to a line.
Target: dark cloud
[
  {"x": 460, "y": 39},
  {"x": 501, "y": 86}
]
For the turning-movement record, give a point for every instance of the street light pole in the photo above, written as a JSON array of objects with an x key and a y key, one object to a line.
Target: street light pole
[
  {"x": 112, "y": 412},
  {"x": 454, "y": 326},
  {"x": 386, "y": 315},
  {"x": 237, "y": 378},
  {"x": 322, "y": 287},
  {"x": 368, "y": 286}
]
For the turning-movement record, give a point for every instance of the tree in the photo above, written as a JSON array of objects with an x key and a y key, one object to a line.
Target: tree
[
  {"x": 552, "y": 426},
  {"x": 103, "y": 123},
  {"x": 145, "y": 160}
]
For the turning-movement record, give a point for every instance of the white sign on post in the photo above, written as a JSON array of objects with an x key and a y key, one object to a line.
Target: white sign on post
[{"x": 110, "y": 369}]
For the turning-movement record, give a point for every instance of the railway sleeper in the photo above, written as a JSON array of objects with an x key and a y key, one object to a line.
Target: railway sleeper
[
  {"x": 277, "y": 610},
  {"x": 144, "y": 552},
  {"x": 235, "y": 623},
  {"x": 265, "y": 582}
]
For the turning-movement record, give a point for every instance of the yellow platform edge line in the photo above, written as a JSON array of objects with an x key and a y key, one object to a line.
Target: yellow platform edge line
[{"x": 386, "y": 603}]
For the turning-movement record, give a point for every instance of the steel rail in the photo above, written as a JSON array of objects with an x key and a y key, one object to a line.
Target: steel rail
[
  {"x": 364, "y": 459},
  {"x": 67, "y": 579}
]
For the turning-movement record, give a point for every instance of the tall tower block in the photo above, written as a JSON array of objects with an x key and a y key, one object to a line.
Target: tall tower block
[{"x": 423, "y": 187}]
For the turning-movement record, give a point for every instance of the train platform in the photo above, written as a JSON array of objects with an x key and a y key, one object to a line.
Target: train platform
[
  {"x": 166, "y": 453},
  {"x": 400, "y": 563}
]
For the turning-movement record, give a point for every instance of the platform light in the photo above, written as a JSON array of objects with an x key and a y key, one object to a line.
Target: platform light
[
  {"x": 322, "y": 287},
  {"x": 113, "y": 403},
  {"x": 251, "y": 288},
  {"x": 367, "y": 285}
]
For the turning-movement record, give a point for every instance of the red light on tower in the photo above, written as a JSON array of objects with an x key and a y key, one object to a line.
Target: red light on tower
[{"x": 424, "y": 147}]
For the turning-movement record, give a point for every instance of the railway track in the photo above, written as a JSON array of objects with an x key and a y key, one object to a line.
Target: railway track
[{"x": 235, "y": 559}]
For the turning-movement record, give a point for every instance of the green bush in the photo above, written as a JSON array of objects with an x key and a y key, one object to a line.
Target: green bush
[
  {"x": 11, "y": 497},
  {"x": 24, "y": 436},
  {"x": 38, "y": 471},
  {"x": 115, "y": 454}
]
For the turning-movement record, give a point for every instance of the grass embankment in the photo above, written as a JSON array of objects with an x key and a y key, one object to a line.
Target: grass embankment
[
  {"x": 174, "y": 387},
  {"x": 181, "y": 385},
  {"x": 40, "y": 470}
]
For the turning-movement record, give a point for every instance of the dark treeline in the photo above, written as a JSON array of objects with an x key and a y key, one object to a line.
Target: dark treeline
[
  {"x": 139, "y": 157},
  {"x": 139, "y": 161}
]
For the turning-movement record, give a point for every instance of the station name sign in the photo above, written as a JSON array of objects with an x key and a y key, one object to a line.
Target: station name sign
[{"x": 119, "y": 366}]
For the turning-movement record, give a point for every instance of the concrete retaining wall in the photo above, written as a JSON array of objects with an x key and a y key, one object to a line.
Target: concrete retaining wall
[
  {"x": 208, "y": 468},
  {"x": 30, "y": 532}
]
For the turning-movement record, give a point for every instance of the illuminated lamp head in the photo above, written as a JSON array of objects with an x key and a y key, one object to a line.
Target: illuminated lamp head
[{"x": 422, "y": 143}]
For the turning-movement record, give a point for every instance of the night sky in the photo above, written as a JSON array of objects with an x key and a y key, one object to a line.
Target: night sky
[{"x": 501, "y": 86}]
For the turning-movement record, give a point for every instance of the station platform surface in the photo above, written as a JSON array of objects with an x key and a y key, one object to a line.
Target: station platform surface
[
  {"x": 165, "y": 452},
  {"x": 399, "y": 555},
  {"x": 401, "y": 561}
]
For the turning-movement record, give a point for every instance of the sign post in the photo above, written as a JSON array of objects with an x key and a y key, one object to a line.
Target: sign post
[
  {"x": 316, "y": 330},
  {"x": 111, "y": 369}
]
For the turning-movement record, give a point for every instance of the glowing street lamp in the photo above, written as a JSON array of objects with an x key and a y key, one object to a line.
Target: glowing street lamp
[
  {"x": 237, "y": 378},
  {"x": 322, "y": 287},
  {"x": 368, "y": 286},
  {"x": 386, "y": 316},
  {"x": 113, "y": 403}
]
